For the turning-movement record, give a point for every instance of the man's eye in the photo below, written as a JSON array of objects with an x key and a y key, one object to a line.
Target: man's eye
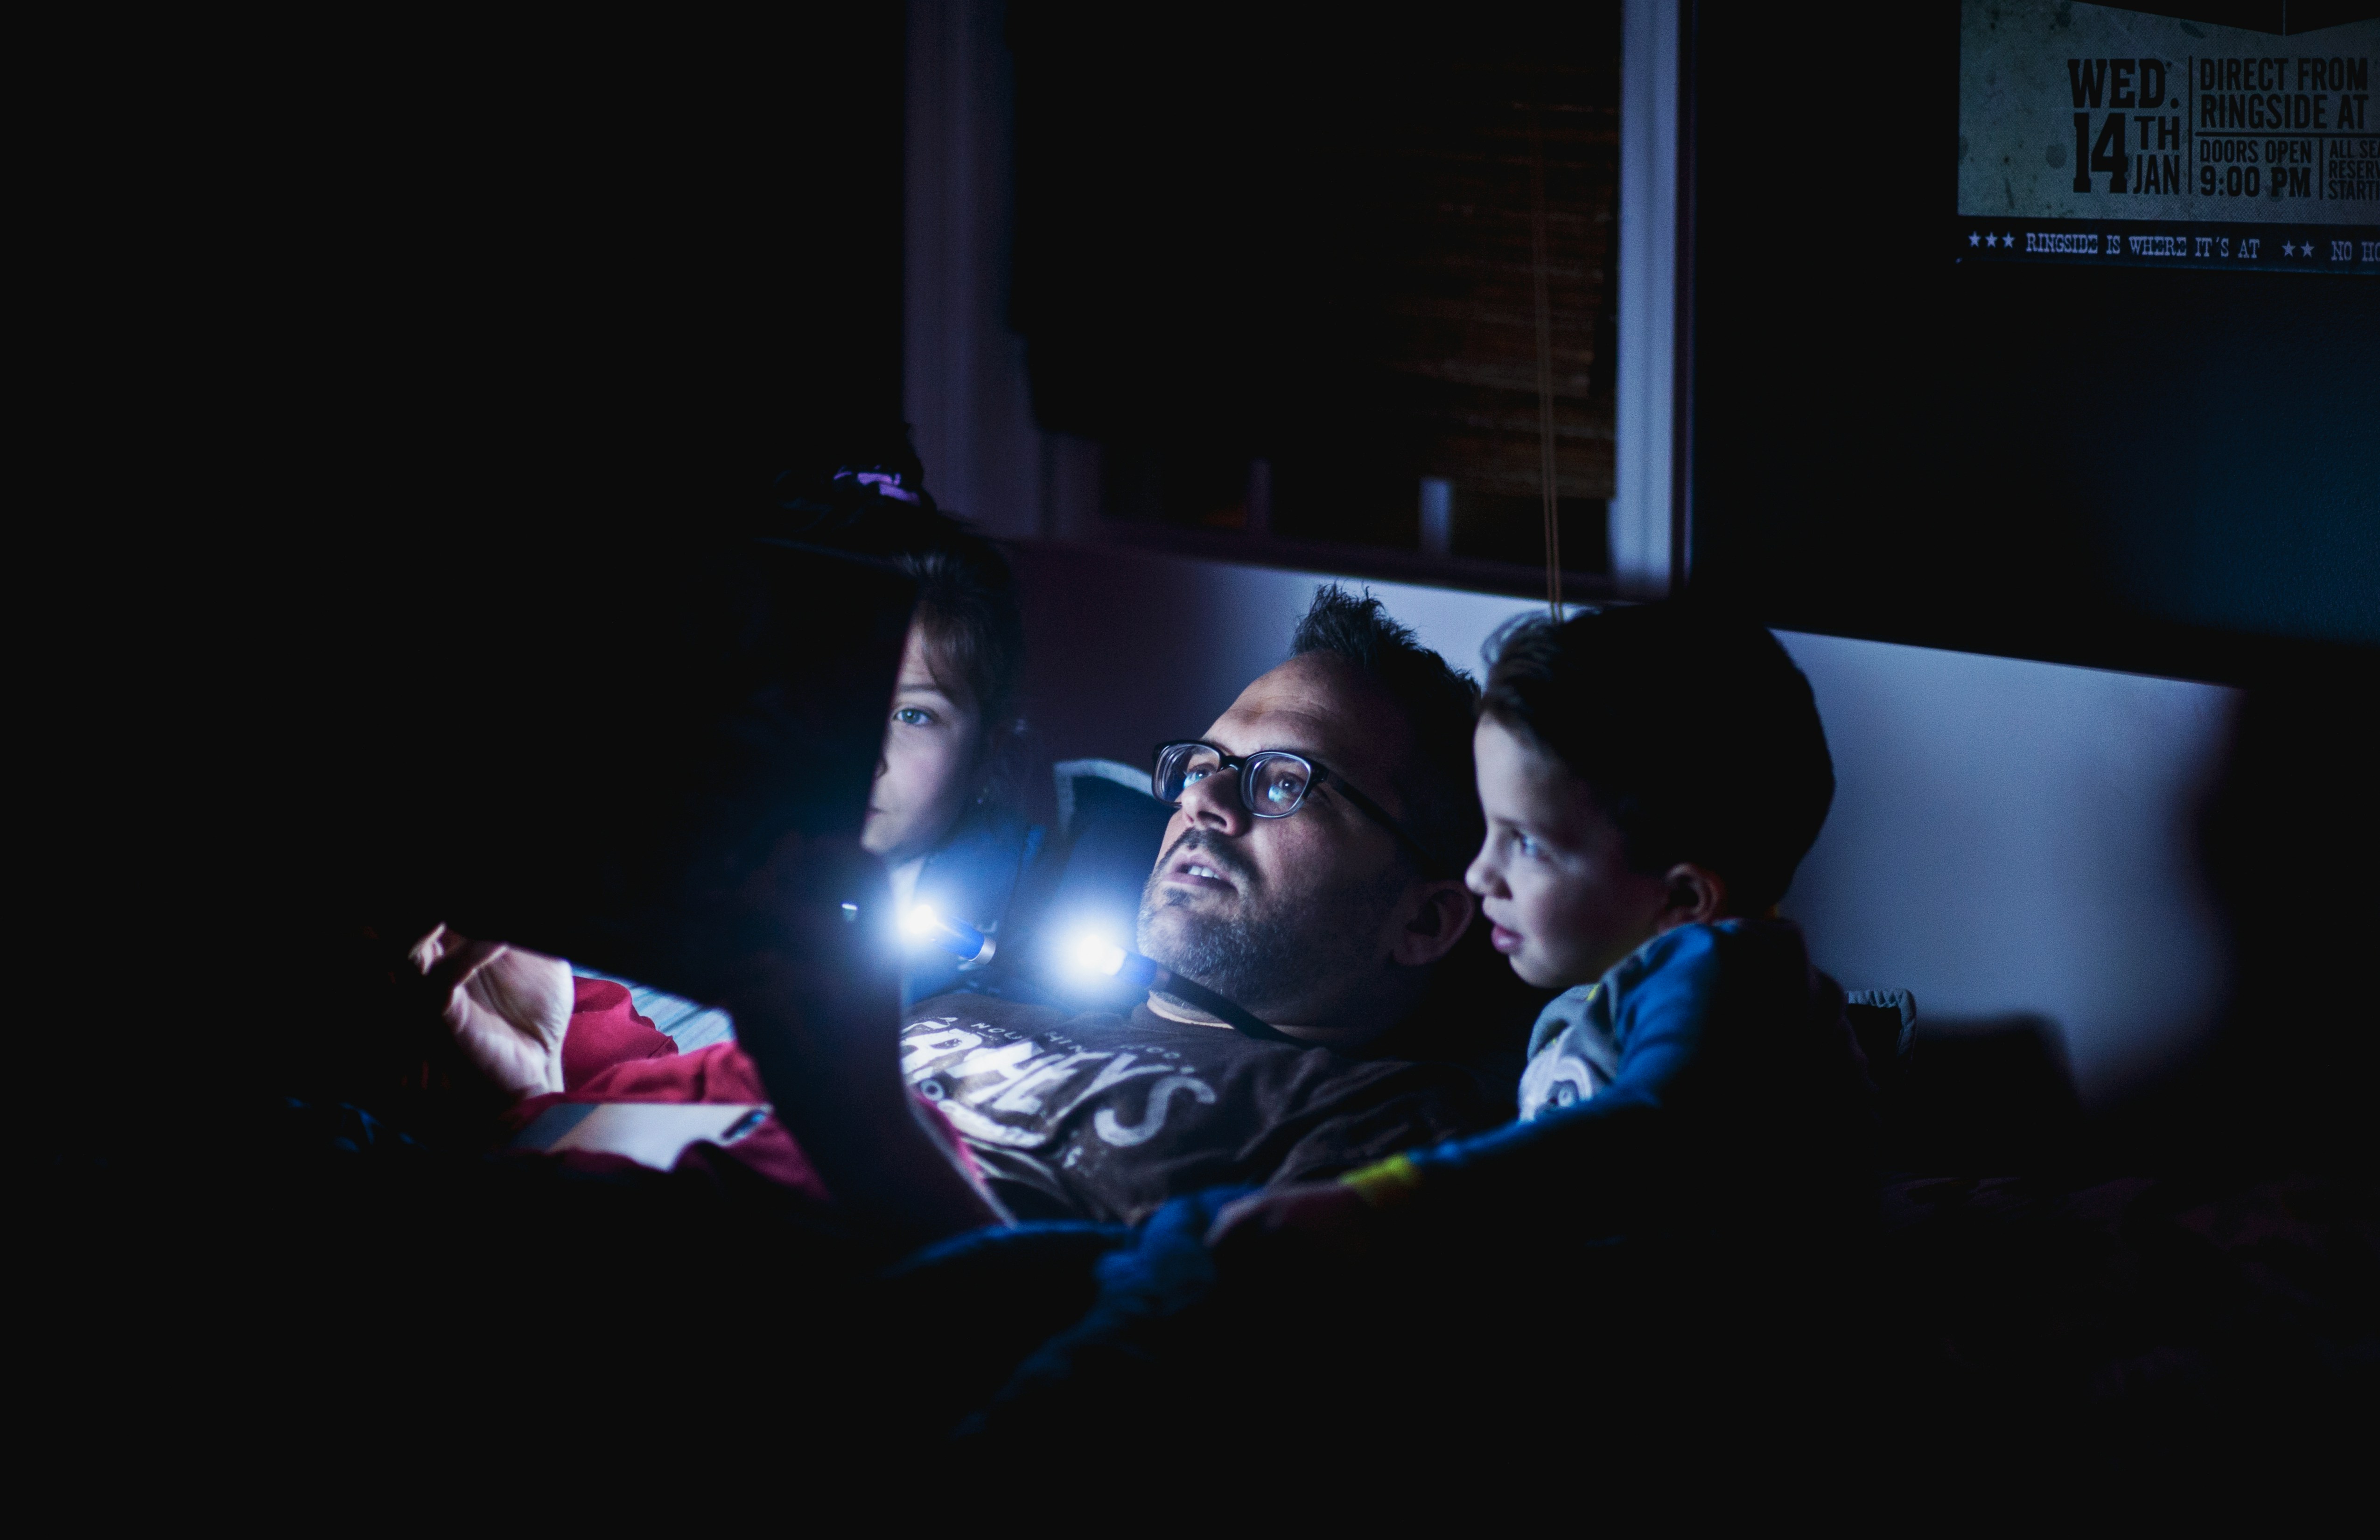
[
  {"x": 913, "y": 716},
  {"x": 1282, "y": 792}
]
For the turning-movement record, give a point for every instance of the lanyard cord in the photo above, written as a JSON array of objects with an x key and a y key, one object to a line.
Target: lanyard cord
[{"x": 1544, "y": 365}]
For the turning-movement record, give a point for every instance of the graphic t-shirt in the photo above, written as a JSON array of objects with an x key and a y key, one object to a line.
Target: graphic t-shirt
[{"x": 1100, "y": 1116}]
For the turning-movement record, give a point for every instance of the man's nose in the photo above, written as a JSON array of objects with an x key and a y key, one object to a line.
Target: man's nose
[{"x": 1214, "y": 804}]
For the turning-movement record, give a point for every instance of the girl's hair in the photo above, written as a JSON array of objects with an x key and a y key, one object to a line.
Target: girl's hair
[
  {"x": 1694, "y": 733},
  {"x": 974, "y": 634},
  {"x": 966, "y": 595}
]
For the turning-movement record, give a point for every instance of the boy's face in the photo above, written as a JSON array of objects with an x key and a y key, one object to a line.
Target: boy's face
[{"x": 1551, "y": 876}]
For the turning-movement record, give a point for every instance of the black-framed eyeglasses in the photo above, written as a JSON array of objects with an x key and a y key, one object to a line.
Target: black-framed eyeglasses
[{"x": 1274, "y": 783}]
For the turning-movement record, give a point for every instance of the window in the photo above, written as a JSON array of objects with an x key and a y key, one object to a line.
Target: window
[{"x": 1280, "y": 279}]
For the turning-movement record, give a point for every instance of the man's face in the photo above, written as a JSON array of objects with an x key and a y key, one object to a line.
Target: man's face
[
  {"x": 1552, "y": 875},
  {"x": 1295, "y": 918},
  {"x": 928, "y": 765}
]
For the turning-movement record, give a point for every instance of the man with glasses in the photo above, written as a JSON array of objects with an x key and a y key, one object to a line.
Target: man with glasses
[
  {"x": 1261, "y": 943},
  {"x": 1312, "y": 875}
]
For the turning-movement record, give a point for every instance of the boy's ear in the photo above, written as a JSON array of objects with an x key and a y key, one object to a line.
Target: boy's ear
[
  {"x": 1697, "y": 895},
  {"x": 1445, "y": 913}
]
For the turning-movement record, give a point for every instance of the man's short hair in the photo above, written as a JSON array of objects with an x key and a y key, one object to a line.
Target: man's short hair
[
  {"x": 1694, "y": 731},
  {"x": 1439, "y": 702}
]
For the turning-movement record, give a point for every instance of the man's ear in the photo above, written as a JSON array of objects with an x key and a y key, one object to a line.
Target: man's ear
[
  {"x": 1695, "y": 895},
  {"x": 1438, "y": 923}
]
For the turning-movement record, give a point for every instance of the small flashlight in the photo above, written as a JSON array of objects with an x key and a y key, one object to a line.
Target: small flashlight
[
  {"x": 1094, "y": 953},
  {"x": 925, "y": 924}
]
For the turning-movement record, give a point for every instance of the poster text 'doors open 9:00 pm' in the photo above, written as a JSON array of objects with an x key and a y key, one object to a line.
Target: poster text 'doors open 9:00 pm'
[{"x": 2098, "y": 134}]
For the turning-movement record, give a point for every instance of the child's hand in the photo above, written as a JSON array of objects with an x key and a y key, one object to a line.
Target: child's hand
[
  {"x": 1326, "y": 1219},
  {"x": 508, "y": 1007}
]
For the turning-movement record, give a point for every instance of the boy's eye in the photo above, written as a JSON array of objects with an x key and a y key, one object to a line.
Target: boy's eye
[
  {"x": 1527, "y": 845},
  {"x": 913, "y": 716}
]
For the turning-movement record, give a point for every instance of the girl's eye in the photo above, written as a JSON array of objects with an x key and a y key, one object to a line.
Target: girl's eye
[
  {"x": 913, "y": 716},
  {"x": 1528, "y": 846}
]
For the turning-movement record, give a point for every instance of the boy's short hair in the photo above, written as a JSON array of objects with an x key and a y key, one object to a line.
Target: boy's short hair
[
  {"x": 1694, "y": 733},
  {"x": 1439, "y": 702}
]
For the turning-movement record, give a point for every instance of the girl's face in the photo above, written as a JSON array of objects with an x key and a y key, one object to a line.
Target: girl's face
[
  {"x": 932, "y": 749},
  {"x": 1552, "y": 876}
]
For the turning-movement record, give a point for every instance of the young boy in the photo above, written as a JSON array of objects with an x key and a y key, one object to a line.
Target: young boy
[{"x": 1651, "y": 778}]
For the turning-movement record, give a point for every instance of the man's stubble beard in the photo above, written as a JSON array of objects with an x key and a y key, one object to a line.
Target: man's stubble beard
[{"x": 1271, "y": 948}]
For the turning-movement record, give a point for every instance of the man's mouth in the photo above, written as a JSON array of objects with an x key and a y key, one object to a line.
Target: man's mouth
[
  {"x": 1199, "y": 871},
  {"x": 1186, "y": 873}
]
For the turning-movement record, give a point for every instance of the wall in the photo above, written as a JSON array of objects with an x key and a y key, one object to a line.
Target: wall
[
  {"x": 2119, "y": 466},
  {"x": 963, "y": 388},
  {"x": 2009, "y": 838}
]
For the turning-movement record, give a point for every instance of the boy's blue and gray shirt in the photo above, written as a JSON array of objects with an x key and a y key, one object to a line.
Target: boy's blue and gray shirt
[
  {"x": 1573, "y": 1049},
  {"x": 1712, "y": 1054}
]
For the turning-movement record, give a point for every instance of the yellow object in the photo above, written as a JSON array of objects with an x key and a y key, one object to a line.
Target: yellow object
[{"x": 1385, "y": 1181}]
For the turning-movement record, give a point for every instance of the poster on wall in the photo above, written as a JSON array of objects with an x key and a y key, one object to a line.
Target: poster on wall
[{"x": 2236, "y": 136}]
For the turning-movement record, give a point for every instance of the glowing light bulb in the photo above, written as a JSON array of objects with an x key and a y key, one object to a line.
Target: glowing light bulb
[
  {"x": 1093, "y": 953},
  {"x": 924, "y": 926}
]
